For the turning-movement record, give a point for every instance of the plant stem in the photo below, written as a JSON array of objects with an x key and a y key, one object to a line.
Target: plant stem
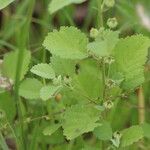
[
  {"x": 104, "y": 80},
  {"x": 100, "y": 13},
  {"x": 22, "y": 39},
  {"x": 100, "y": 24},
  {"x": 141, "y": 105}
]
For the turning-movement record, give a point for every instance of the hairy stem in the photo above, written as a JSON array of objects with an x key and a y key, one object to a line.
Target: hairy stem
[
  {"x": 100, "y": 24},
  {"x": 104, "y": 80},
  {"x": 141, "y": 105},
  {"x": 22, "y": 40},
  {"x": 100, "y": 13}
]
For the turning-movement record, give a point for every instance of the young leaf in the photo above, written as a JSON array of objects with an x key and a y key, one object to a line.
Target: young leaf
[
  {"x": 9, "y": 65},
  {"x": 68, "y": 42},
  {"x": 30, "y": 88},
  {"x": 130, "y": 56},
  {"x": 131, "y": 135},
  {"x": 51, "y": 129},
  {"x": 88, "y": 81},
  {"x": 49, "y": 91},
  {"x": 4, "y": 3},
  {"x": 104, "y": 43},
  {"x": 103, "y": 132},
  {"x": 55, "y": 5},
  {"x": 110, "y": 37},
  {"x": 99, "y": 49},
  {"x": 63, "y": 66},
  {"x": 44, "y": 71},
  {"x": 79, "y": 119}
]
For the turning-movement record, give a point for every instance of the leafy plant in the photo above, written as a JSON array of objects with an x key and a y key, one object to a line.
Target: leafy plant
[{"x": 76, "y": 95}]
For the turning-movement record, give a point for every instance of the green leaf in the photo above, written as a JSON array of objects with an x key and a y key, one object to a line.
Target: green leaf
[
  {"x": 88, "y": 81},
  {"x": 99, "y": 49},
  {"x": 9, "y": 65},
  {"x": 130, "y": 56},
  {"x": 44, "y": 71},
  {"x": 146, "y": 129},
  {"x": 7, "y": 104},
  {"x": 68, "y": 43},
  {"x": 131, "y": 135},
  {"x": 56, "y": 5},
  {"x": 103, "y": 132},
  {"x": 30, "y": 88},
  {"x": 104, "y": 43},
  {"x": 4, "y": 3},
  {"x": 51, "y": 129},
  {"x": 110, "y": 37},
  {"x": 63, "y": 66},
  {"x": 49, "y": 91},
  {"x": 79, "y": 119}
]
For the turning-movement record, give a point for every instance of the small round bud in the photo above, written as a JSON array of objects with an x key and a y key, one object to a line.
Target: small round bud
[
  {"x": 57, "y": 80},
  {"x": 67, "y": 80},
  {"x": 109, "y": 60},
  {"x": 94, "y": 33},
  {"x": 124, "y": 96},
  {"x": 58, "y": 97},
  {"x": 28, "y": 120},
  {"x": 47, "y": 118},
  {"x": 110, "y": 83},
  {"x": 116, "y": 139},
  {"x": 112, "y": 23},
  {"x": 117, "y": 135},
  {"x": 108, "y": 104},
  {"x": 109, "y": 3}
]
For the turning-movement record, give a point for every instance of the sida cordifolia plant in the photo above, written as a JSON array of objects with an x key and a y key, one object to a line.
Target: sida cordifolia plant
[{"x": 73, "y": 100}]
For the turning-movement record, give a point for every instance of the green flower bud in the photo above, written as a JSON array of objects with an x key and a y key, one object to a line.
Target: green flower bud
[
  {"x": 57, "y": 80},
  {"x": 109, "y": 60},
  {"x": 112, "y": 23},
  {"x": 109, "y": 3},
  {"x": 94, "y": 33},
  {"x": 47, "y": 118},
  {"x": 116, "y": 139},
  {"x": 124, "y": 96},
  {"x": 117, "y": 135},
  {"x": 110, "y": 83},
  {"x": 108, "y": 104},
  {"x": 28, "y": 120},
  {"x": 67, "y": 80}
]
